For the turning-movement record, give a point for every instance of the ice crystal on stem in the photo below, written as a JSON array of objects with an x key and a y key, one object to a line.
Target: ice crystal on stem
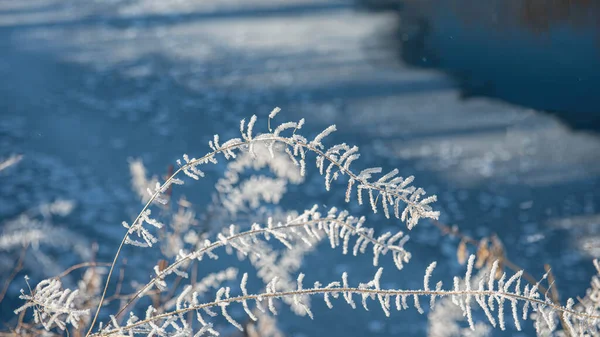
[{"x": 52, "y": 305}]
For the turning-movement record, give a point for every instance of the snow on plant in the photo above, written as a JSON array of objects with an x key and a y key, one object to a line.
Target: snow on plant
[{"x": 192, "y": 309}]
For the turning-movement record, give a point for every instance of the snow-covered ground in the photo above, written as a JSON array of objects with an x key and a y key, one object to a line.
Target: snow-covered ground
[{"x": 87, "y": 84}]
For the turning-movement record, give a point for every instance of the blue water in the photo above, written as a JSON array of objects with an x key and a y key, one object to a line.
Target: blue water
[
  {"x": 77, "y": 125},
  {"x": 541, "y": 55}
]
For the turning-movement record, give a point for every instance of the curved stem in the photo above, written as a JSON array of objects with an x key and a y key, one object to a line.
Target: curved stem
[
  {"x": 82, "y": 265},
  {"x": 217, "y": 244},
  {"x": 146, "y": 206},
  {"x": 380, "y": 292},
  {"x": 263, "y": 138},
  {"x": 447, "y": 230}
]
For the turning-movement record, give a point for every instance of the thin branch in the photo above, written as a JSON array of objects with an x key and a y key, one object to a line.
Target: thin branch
[
  {"x": 18, "y": 267},
  {"x": 247, "y": 143},
  {"x": 454, "y": 231},
  {"x": 82, "y": 265},
  {"x": 217, "y": 244},
  {"x": 369, "y": 292}
]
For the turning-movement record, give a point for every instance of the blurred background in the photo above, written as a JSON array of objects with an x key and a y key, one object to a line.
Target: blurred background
[{"x": 493, "y": 105}]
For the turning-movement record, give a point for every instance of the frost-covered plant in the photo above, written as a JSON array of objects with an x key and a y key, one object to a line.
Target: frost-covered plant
[
  {"x": 171, "y": 308},
  {"x": 53, "y": 305},
  {"x": 445, "y": 321}
]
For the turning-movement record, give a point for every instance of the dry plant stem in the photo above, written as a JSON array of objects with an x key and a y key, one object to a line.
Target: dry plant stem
[
  {"x": 314, "y": 291},
  {"x": 14, "y": 273},
  {"x": 117, "y": 295},
  {"x": 112, "y": 267},
  {"x": 82, "y": 265},
  {"x": 193, "y": 281},
  {"x": 114, "y": 262},
  {"x": 219, "y": 244},
  {"x": 210, "y": 155},
  {"x": 447, "y": 230},
  {"x": 21, "y": 317},
  {"x": 552, "y": 281},
  {"x": 121, "y": 278},
  {"x": 146, "y": 206},
  {"x": 554, "y": 296},
  {"x": 174, "y": 288}
]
